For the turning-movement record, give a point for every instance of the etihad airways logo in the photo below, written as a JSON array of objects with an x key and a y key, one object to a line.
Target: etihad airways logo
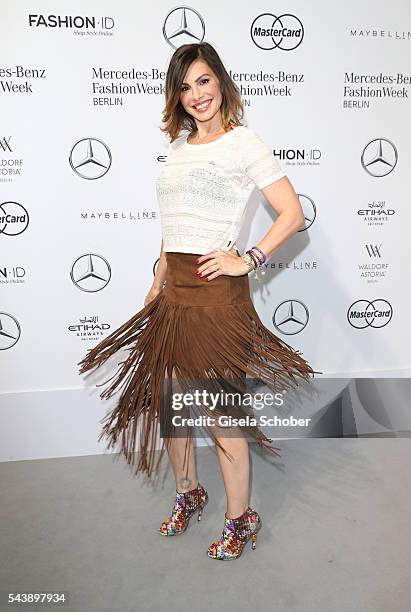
[{"x": 89, "y": 328}]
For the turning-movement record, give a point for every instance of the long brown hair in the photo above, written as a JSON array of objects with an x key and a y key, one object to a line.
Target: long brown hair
[{"x": 175, "y": 118}]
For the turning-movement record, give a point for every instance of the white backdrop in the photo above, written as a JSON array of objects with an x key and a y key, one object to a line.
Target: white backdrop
[{"x": 85, "y": 83}]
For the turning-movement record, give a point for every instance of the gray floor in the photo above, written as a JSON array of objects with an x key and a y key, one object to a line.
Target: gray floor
[{"x": 336, "y": 533}]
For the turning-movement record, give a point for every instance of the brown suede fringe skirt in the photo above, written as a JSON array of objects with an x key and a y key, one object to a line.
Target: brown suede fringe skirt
[{"x": 194, "y": 333}]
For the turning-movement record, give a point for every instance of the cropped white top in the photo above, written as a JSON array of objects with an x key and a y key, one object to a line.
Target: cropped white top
[{"x": 203, "y": 189}]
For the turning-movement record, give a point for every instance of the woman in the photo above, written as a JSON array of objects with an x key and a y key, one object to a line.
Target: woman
[{"x": 198, "y": 327}]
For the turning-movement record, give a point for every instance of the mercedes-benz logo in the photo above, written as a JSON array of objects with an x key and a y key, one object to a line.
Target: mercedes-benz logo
[
  {"x": 90, "y": 158},
  {"x": 14, "y": 219},
  {"x": 90, "y": 272},
  {"x": 183, "y": 25},
  {"x": 9, "y": 331},
  {"x": 363, "y": 313},
  {"x": 379, "y": 157},
  {"x": 290, "y": 317},
  {"x": 309, "y": 210},
  {"x": 284, "y": 32}
]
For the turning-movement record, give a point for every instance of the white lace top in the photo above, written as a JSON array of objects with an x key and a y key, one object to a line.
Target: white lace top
[{"x": 203, "y": 189}]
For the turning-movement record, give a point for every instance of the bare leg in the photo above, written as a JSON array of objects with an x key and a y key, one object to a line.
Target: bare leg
[
  {"x": 236, "y": 474},
  {"x": 176, "y": 448}
]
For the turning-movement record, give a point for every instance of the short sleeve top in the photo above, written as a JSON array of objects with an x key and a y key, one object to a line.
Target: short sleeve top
[{"x": 203, "y": 190}]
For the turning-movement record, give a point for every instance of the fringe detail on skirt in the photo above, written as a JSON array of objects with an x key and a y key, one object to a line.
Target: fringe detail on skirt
[{"x": 199, "y": 342}]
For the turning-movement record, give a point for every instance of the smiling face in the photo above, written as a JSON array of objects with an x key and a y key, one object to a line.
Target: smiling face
[{"x": 200, "y": 92}]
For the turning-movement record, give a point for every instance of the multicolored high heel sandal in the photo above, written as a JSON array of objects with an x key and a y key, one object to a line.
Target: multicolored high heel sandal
[
  {"x": 185, "y": 506},
  {"x": 236, "y": 533}
]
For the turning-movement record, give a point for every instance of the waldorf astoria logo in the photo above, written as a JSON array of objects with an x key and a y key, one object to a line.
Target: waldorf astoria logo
[
  {"x": 90, "y": 272},
  {"x": 285, "y": 32},
  {"x": 379, "y": 157},
  {"x": 9, "y": 166},
  {"x": 365, "y": 313},
  {"x": 5, "y": 145},
  {"x": 290, "y": 317},
  {"x": 9, "y": 330},
  {"x": 90, "y": 158},
  {"x": 373, "y": 250},
  {"x": 375, "y": 270}
]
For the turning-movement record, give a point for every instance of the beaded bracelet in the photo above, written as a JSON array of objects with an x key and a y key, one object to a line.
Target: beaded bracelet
[
  {"x": 255, "y": 258},
  {"x": 249, "y": 261},
  {"x": 257, "y": 261},
  {"x": 263, "y": 256}
]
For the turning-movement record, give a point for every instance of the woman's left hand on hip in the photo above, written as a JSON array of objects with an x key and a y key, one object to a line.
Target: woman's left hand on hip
[{"x": 216, "y": 263}]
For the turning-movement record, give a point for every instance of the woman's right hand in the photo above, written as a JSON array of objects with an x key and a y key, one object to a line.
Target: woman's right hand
[{"x": 153, "y": 293}]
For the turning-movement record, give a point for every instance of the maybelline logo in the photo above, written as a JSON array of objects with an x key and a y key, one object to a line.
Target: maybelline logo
[
  {"x": 293, "y": 265},
  {"x": 89, "y": 328},
  {"x": 12, "y": 276},
  {"x": 365, "y": 313},
  {"x": 14, "y": 219},
  {"x": 78, "y": 22},
  {"x": 370, "y": 32},
  {"x": 9, "y": 167},
  {"x": 285, "y": 32},
  {"x": 376, "y": 213},
  {"x": 120, "y": 215},
  {"x": 375, "y": 270}
]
